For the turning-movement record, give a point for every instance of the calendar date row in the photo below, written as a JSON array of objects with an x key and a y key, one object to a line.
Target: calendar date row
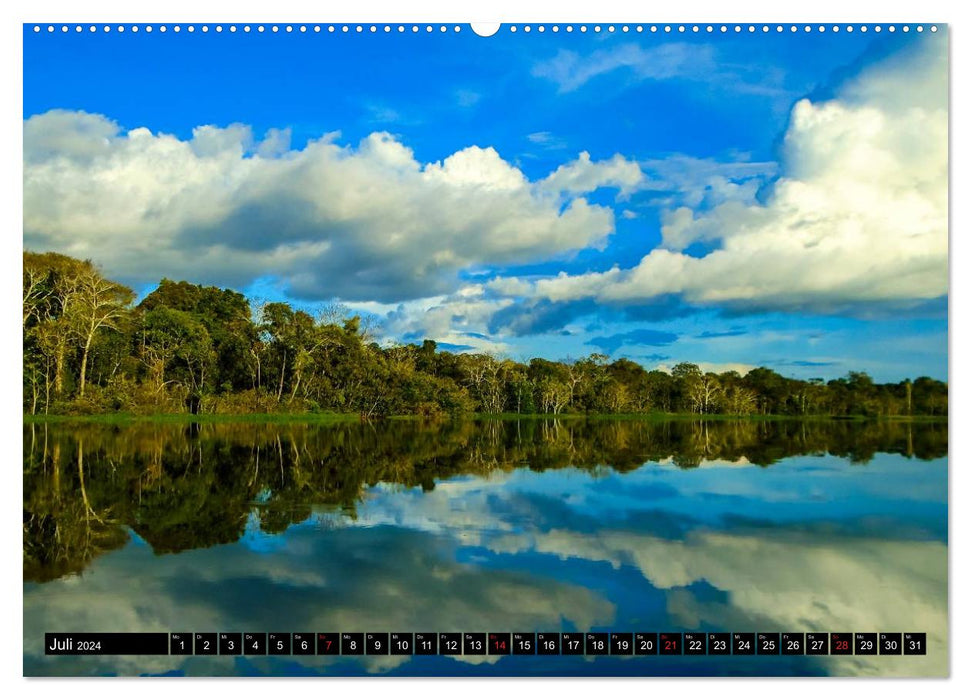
[{"x": 489, "y": 643}]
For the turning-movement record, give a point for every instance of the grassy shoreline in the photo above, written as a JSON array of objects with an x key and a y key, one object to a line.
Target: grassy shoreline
[{"x": 337, "y": 418}]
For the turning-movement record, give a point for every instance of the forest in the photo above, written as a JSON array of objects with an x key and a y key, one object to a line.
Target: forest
[{"x": 191, "y": 349}]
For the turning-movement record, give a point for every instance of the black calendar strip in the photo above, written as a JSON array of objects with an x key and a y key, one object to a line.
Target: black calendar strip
[
  {"x": 99, "y": 643},
  {"x": 488, "y": 643}
]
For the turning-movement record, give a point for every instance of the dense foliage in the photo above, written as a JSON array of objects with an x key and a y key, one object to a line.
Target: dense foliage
[{"x": 187, "y": 348}]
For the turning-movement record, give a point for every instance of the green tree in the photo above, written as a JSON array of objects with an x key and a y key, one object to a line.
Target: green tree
[{"x": 177, "y": 350}]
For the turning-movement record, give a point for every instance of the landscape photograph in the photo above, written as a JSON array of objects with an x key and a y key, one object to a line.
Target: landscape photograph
[{"x": 565, "y": 330}]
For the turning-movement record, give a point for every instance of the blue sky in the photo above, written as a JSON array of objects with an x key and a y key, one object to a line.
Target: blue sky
[{"x": 735, "y": 200}]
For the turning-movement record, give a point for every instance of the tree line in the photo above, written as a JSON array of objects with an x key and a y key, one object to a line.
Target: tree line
[{"x": 187, "y": 348}]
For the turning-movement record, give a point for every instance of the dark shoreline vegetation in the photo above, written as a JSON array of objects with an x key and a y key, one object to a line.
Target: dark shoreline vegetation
[
  {"x": 182, "y": 486},
  {"x": 337, "y": 418},
  {"x": 203, "y": 351}
]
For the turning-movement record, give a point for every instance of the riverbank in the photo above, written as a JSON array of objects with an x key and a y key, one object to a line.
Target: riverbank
[{"x": 336, "y": 418}]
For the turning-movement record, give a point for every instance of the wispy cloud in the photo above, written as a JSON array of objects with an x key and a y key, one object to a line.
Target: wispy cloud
[
  {"x": 569, "y": 70},
  {"x": 467, "y": 98},
  {"x": 652, "y": 357},
  {"x": 722, "y": 334},
  {"x": 382, "y": 114},
  {"x": 636, "y": 337},
  {"x": 702, "y": 64},
  {"x": 546, "y": 140},
  {"x": 803, "y": 363}
]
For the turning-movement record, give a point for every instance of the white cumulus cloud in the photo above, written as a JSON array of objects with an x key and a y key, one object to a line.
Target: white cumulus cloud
[
  {"x": 585, "y": 175},
  {"x": 858, "y": 214},
  {"x": 366, "y": 221}
]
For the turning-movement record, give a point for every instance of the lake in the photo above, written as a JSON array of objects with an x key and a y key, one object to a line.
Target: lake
[{"x": 487, "y": 526}]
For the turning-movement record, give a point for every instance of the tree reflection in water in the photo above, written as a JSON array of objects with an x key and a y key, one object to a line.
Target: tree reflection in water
[{"x": 188, "y": 486}]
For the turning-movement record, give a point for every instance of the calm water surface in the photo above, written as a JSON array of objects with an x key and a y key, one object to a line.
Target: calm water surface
[{"x": 486, "y": 526}]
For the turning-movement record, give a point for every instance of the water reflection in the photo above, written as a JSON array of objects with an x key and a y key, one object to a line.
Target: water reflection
[{"x": 491, "y": 525}]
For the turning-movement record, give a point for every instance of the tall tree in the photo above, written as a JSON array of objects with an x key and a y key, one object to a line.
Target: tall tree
[{"x": 97, "y": 304}]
